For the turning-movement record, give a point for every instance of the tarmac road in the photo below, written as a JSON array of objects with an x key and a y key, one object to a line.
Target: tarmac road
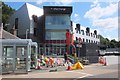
[{"x": 90, "y": 71}]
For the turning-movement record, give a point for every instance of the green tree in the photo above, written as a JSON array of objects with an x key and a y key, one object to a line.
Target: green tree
[
  {"x": 7, "y": 11},
  {"x": 113, "y": 43},
  {"x": 110, "y": 44}
]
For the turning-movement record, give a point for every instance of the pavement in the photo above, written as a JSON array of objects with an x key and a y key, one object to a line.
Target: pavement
[{"x": 90, "y": 71}]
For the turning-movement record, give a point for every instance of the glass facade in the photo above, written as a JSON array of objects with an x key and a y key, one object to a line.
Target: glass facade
[
  {"x": 51, "y": 35},
  {"x": 57, "y": 21},
  {"x": 56, "y": 26}
]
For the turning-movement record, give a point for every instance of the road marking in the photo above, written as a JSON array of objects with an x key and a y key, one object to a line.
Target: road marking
[
  {"x": 69, "y": 71},
  {"x": 82, "y": 77},
  {"x": 79, "y": 72},
  {"x": 85, "y": 74}
]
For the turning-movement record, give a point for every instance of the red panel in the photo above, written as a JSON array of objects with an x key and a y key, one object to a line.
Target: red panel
[
  {"x": 72, "y": 42},
  {"x": 68, "y": 38},
  {"x": 56, "y": 41}
]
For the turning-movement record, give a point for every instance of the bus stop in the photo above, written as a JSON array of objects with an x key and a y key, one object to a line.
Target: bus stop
[{"x": 18, "y": 55}]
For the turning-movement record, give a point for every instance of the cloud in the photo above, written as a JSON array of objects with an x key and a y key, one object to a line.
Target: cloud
[
  {"x": 104, "y": 18},
  {"x": 40, "y": 1},
  {"x": 98, "y": 12},
  {"x": 101, "y": 16},
  {"x": 64, "y": 2},
  {"x": 56, "y": 2},
  {"x": 109, "y": 33},
  {"x": 76, "y": 18},
  {"x": 108, "y": 23},
  {"x": 95, "y": 3}
]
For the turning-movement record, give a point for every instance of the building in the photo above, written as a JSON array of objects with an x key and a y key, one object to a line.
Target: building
[
  {"x": 87, "y": 35},
  {"x": 21, "y": 22},
  {"x": 6, "y": 35},
  {"x": 48, "y": 27}
]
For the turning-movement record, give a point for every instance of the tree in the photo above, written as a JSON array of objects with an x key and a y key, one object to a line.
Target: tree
[
  {"x": 7, "y": 11},
  {"x": 113, "y": 43},
  {"x": 110, "y": 44}
]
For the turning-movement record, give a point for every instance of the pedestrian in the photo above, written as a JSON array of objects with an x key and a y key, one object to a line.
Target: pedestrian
[
  {"x": 51, "y": 61},
  {"x": 65, "y": 57}
]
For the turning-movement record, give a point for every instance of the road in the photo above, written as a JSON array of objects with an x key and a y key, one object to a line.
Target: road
[{"x": 90, "y": 71}]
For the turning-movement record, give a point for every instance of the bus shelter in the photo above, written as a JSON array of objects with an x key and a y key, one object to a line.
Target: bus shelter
[{"x": 17, "y": 55}]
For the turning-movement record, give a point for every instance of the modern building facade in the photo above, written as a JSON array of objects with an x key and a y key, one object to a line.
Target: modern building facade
[
  {"x": 22, "y": 24},
  {"x": 48, "y": 27},
  {"x": 57, "y": 21}
]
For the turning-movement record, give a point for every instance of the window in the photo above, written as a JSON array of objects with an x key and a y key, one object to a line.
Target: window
[
  {"x": 87, "y": 40},
  {"x": 16, "y": 23},
  {"x": 82, "y": 32},
  {"x": 35, "y": 32},
  {"x": 83, "y": 40},
  {"x": 91, "y": 41},
  {"x": 76, "y": 38},
  {"x": 57, "y": 21},
  {"x": 55, "y": 36},
  {"x": 91, "y": 34}
]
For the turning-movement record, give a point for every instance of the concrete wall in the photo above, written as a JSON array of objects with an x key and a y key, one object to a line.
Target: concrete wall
[{"x": 112, "y": 60}]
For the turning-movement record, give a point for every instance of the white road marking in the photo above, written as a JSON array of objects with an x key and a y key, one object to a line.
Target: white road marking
[
  {"x": 85, "y": 74},
  {"x": 79, "y": 72},
  {"x": 68, "y": 71},
  {"x": 82, "y": 76}
]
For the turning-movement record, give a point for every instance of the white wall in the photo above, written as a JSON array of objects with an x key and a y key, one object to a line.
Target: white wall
[
  {"x": 33, "y": 10},
  {"x": 84, "y": 36},
  {"x": 112, "y": 60}
]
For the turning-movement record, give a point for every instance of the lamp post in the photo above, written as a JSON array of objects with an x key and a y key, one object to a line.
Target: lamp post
[{"x": 27, "y": 33}]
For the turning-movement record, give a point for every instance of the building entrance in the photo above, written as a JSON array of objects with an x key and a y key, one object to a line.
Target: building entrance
[{"x": 55, "y": 49}]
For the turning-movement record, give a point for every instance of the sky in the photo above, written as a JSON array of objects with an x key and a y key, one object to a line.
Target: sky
[{"x": 100, "y": 16}]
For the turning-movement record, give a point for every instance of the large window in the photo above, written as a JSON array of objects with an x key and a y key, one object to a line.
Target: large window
[
  {"x": 57, "y": 22},
  {"x": 55, "y": 36}
]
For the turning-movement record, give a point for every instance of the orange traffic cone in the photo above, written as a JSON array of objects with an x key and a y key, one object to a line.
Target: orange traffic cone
[
  {"x": 105, "y": 63},
  {"x": 69, "y": 65}
]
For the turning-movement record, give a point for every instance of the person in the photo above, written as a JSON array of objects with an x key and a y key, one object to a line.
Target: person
[
  {"x": 65, "y": 57},
  {"x": 46, "y": 61},
  {"x": 51, "y": 61}
]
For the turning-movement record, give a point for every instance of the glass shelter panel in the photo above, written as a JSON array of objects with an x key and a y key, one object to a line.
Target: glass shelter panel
[
  {"x": 21, "y": 59},
  {"x": 7, "y": 59},
  {"x": 33, "y": 57}
]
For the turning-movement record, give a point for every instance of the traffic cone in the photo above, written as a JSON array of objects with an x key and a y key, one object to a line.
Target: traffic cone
[
  {"x": 105, "y": 63},
  {"x": 69, "y": 66},
  {"x": 101, "y": 60},
  {"x": 38, "y": 64}
]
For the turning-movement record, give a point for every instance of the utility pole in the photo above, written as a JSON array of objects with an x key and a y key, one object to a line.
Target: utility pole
[{"x": 27, "y": 33}]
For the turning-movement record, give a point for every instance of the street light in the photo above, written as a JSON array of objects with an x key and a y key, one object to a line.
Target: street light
[{"x": 27, "y": 33}]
